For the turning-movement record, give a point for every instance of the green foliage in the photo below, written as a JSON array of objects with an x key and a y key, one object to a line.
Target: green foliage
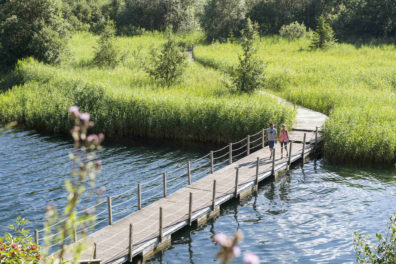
[
  {"x": 294, "y": 30},
  {"x": 167, "y": 67},
  {"x": 17, "y": 246},
  {"x": 31, "y": 28},
  {"x": 84, "y": 14},
  {"x": 354, "y": 86},
  {"x": 223, "y": 18},
  {"x": 106, "y": 54},
  {"x": 323, "y": 36},
  {"x": 125, "y": 102},
  {"x": 383, "y": 252},
  {"x": 248, "y": 75},
  {"x": 181, "y": 15}
]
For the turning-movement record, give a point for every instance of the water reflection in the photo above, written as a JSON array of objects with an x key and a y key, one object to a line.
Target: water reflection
[{"x": 305, "y": 216}]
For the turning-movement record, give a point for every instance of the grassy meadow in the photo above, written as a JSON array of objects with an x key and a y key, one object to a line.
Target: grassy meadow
[
  {"x": 355, "y": 86},
  {"x": 125, "y": 101}
]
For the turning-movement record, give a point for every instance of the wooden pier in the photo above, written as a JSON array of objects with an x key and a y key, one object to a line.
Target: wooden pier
[{"x": 149, "y": 229}]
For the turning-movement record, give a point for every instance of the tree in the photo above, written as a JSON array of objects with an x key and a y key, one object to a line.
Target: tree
[
  {"x": 167, "y": 66},
  {"x": 32, "y": 28},
  {"x": 248, "y": 75},
  {"x": 383, "y": 252},
  {"x": 223, "y": 18},
  {"x": 323, "y": 36},
  {"x": 106, "y": 53}
]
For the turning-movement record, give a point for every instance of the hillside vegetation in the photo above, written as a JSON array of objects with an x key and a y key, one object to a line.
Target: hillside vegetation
[
  {"x": 125, "y": 101},
  {"x": 356, "y": 86}
]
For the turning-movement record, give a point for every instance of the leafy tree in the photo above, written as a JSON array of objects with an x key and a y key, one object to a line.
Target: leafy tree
[
  {"x": 167, "y": 66},
  {"x": 106, "y": 53},
  {"x": 383, "y": 252},
  {"x": 32, "y": 28},
  {"x": 248, "y": 75},
  {"x": 223, "y": 18},
  {"x": 84, "y": 14},
  {"x": 323, "y": 36}
]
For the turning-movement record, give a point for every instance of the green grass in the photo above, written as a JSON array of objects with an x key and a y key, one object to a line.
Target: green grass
[
  {"x": 356, "y": 87},
  {"x": 124, "y": 101}
]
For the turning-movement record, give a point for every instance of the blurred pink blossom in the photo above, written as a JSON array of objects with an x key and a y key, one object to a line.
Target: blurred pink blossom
[
  {"x": 250, "y": 258},
  {"x": 73, "y": 110},
  {"x": 85, "y": 117},
  {"x": 222, "y": 239},
  {"x": 236, "y": 251}
]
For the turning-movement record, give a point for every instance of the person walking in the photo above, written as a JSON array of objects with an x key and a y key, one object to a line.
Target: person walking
[
  {"x": 272, "y": 136},
  {"x": 284, "y": 139}
]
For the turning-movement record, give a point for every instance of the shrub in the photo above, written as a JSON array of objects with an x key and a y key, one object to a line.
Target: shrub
[
  {"x": 84, "y": 14},
  {"x": 221, "y": 19},
  {"x": 106, "y": 53},
  {"x": 294, "y": 30},
  {"x": 383, "y": 252},
  {"x": 17, "y": 246},
  {"x": 167, "y": 66},
  {"x": 323, "y": 36},
  {"x": 248, "y": 75},
  {"x": 32, "y": 28}
]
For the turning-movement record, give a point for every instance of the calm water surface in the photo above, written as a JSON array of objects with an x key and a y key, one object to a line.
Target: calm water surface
[{"x": 305, "y": 216}]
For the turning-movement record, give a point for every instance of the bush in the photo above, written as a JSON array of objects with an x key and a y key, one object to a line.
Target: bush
[
  {"x": 84, "y": 14},
  {"x": 222, "y": 19},
  {"x": 248, "y": 75},
  {"x": 106, "y": 53},
  {"x": 323, "y": 36},
  {"x": 383, "y": 252},
  {"x": 32, "y": 28},
  {"x": 294, "y": 30},
  {"x": 17, "y": 246},
  {"x": 167, "y": 66}
]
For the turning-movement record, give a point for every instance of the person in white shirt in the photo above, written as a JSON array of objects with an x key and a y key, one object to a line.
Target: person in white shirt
[{"x": 272, "y": 138}]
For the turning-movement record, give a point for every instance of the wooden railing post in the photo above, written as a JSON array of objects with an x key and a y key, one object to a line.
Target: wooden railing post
[
  {"x": 303, "y": 148},
  {"x": 36, "y": 236},
  {"x": 164, "y": 182},
  {"x": 214, "y": 195},
  {"x": 290, "y": 153},
  {"x": 130, "y": 243},
  {"x": 273, "y": 163},
  {"x": 109, "y": 210},
  {"x": 94, "y": 251},
  {"x": 263, "y": 138},
  {"x": 230, "y": 153},
  {"x": 189, "y": 172},
  {"x": 248, "y": 145},
  {"x": 236, "y": 181},
  {"x": 160, "y": 224},
  {"x": 257, "y": 171},
  {"x": 316, "y": 138},
  {"x": 190, "y": 209},
  {"x": 139, "y": 197},
  {"x": 211, "y": 162}
]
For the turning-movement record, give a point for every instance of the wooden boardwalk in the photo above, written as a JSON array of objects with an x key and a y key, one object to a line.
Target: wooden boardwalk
[{"x": 145, "y": 231}]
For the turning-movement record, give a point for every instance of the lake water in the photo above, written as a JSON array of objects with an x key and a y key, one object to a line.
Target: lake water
[{"x": 305, "y": 216}]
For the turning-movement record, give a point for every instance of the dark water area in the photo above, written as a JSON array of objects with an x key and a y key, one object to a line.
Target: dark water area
[{"x": 305, "y": 216}]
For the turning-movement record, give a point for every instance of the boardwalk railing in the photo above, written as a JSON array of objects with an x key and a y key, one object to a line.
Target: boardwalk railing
[{"x": 145, "y": 193}]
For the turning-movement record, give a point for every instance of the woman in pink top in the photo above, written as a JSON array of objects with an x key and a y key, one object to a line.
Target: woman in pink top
[{"x": 284, "y": 139}]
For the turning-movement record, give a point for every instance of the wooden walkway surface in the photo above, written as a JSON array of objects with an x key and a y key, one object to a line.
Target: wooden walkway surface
[{"x": 149, "y": 234}]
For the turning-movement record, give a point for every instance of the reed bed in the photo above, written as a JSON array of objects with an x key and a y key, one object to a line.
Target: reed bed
[
  {"x": 124, "y": 101},
  {"x": 355, "y": 86}
]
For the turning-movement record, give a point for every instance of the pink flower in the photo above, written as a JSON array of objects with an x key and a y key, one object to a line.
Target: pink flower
[
  {"x": 101, "y": 137},
  {"x": 101, "y": 190},
  {"x": 250, "y": 258},
  {"x": 236, "y": 251},
  {"x": 73, "y": 110},
  {"x": 14, "y": 246},
  {"x": 222, "y": 239},
  {"x": 93, "y": 139},
  {"x": 85, "y": 117}
]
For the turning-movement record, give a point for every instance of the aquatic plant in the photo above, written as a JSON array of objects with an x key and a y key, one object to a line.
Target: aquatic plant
[{"x": 355, "y": 86}]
